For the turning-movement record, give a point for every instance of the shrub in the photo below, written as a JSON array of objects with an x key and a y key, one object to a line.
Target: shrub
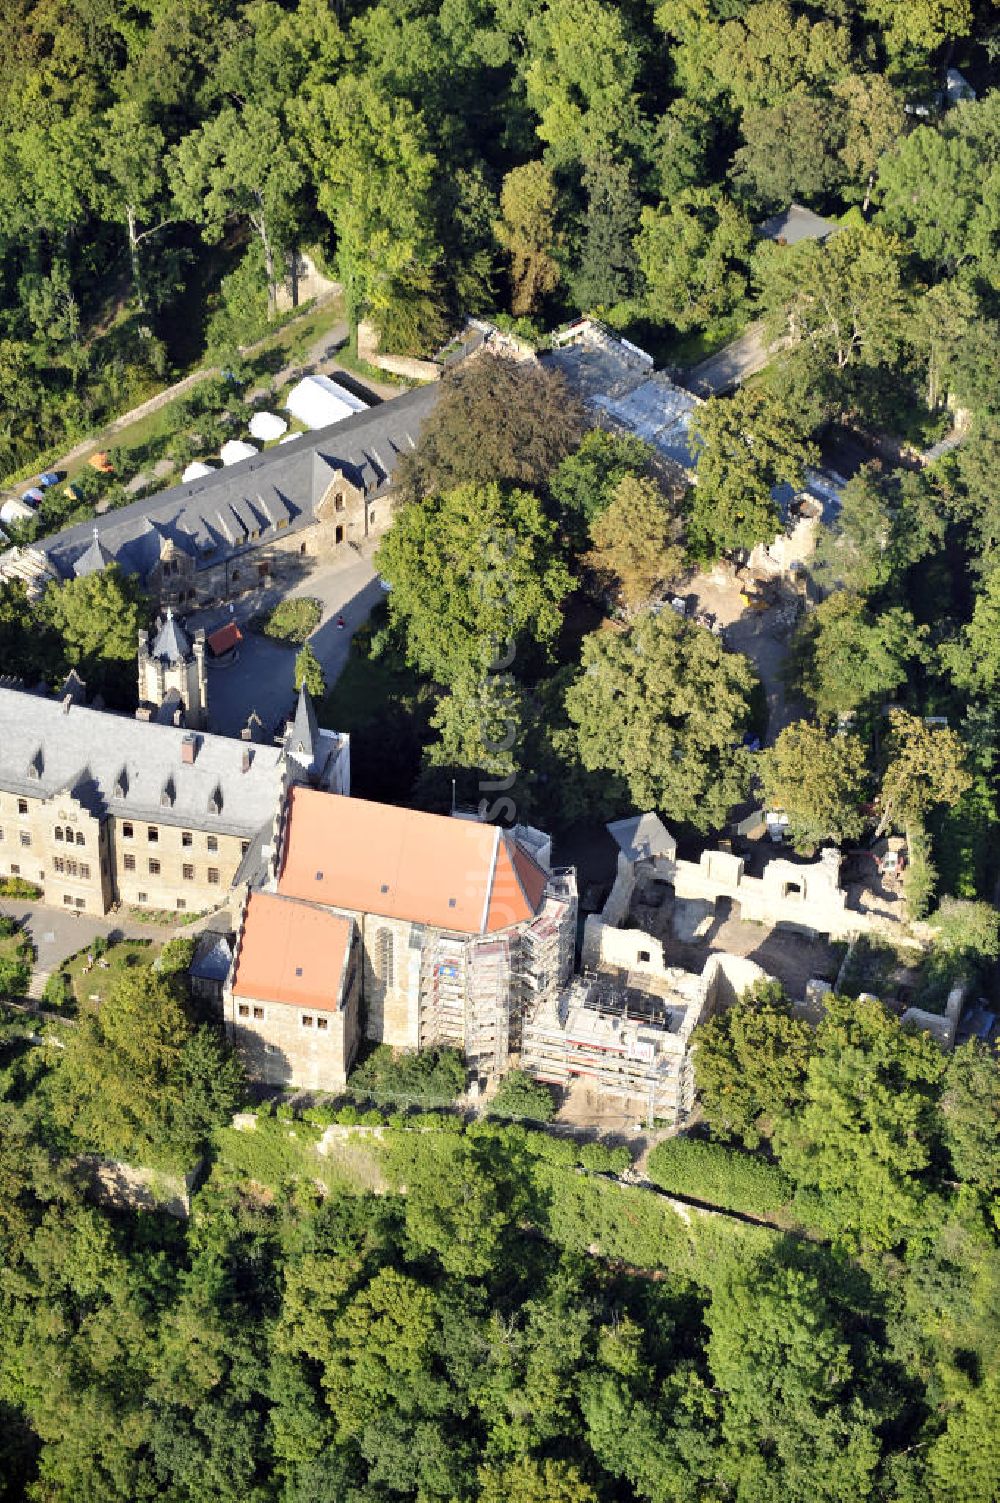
[
  {"x": 59, "y": 991},
  {"x": 17, "y": 887},
  {"x": 520, "y": 1096},
  {"x": 719, "y": 1176},
  {"x": 433, "y": 1076},
  {"x": 600, "y": 1159},
  {"x": 294, "y": 620}
]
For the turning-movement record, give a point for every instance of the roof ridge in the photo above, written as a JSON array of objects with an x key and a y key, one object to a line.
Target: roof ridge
[{"x": 488, "y": 899}]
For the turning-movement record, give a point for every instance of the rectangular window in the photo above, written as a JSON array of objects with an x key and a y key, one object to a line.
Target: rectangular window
[
  {"x": 129, "y": 863},
  {"x": 15, "y": 871},
  {"x": 154, "y": 868},
  {"x": 244, "y": 845},
  {"x": 127, "y": 831},
  {"x": 85, "y": 871},
  {"x": 1, "y": 835},
  {"x": 71, "y": 868},
  {"x": 213, "y": 876},
  {"x": 25, "y": 838},
  {"x": 22, "y": 806},
  {"x": 187, "y": 873},
  {"x": 213, "y": 843},
  {"x": 244, "y": 1010},
  {"x": 59, "y": 833},
  {"x": 181, "y": 905},
  {"x": 186, "y": 838},
  {"x": 68, "y": 899},
  {"x": 152, "y": 834},
  {"x": 58, "y": 864},
  {"x": 307, "y": 1021},
  {"x": 81, "y": 902},
  {"x": 258, "y": 1013},
  {"x": 321, "y": 1023},
  {"x": 141, "y": 898}
]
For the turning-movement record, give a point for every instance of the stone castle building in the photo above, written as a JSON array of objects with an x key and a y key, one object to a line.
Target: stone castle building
[
  {"x": 460, "y": 929},
  {"x": 173, "y": 677},
  {"x": 97, "y": 809},
  {"x": 254, "y": 522}
]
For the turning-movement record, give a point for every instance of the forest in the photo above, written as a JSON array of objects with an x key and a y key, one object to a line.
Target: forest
[{"x": 447, "y": 1308}]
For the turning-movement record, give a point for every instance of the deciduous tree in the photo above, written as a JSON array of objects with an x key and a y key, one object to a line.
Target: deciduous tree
[
  {"x": 664, "y": 705},
  {"x": 750, "y": 1063},
  {"x": 818, "y": 780},
  {"x": 636, "y": 541},
  {"x": 926, "y": 767},
  {"x": 694, "y": 252},
  {"x": 530, "y": 234}
]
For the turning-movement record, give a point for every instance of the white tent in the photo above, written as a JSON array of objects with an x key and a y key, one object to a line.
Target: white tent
[
  {"x": 15, "y": 511},
  {"x": 317, "y": 401},
  {"x": 267, "y": 425},
  {"x": 235, "y": 450},
  {"x": 197, "y": 470}
]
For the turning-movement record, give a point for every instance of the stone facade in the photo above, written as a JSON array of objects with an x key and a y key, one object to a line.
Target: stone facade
[
  {"x": 283, "y": 1044},
  {"x": 57, "y": 843}
]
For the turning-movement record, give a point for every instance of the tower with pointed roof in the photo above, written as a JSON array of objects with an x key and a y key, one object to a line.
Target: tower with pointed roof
[{"x": 173, "y": 680}]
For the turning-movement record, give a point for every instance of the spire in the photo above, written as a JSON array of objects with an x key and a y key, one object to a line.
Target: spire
[
  {"x": 172, "y": 644},
  {"x": 96, "y": 558},
  {"x": 304, "y": 734}
]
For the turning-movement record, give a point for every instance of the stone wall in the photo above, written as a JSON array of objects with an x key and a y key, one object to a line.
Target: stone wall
[
  {"x": 397, "y": 365},
  {"x": 74, "y": 871}
]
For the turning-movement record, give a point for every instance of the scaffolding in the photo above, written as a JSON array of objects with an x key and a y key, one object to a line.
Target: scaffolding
[
  {"x": 624, "y": 1042},
  {"x": 442, "y": 992},
  {"x": 488, "y": 1006}
]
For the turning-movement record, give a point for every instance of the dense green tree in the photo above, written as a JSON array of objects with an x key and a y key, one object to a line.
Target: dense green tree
[
  {"x": 530, "y": 1481},
  {"x": 474, "y": 572},
  {"x": 846, "y": 658},
  {"x": 518, "y": 1095},
  {"x": 844, "y": 297},
  {"x": 238, "y": 166},
  {"x": 97, "y": 619},
  {"x": 664, "y": 705},
  {"x": 744, "y": 447},
  {"x": 973, "y": 659},
  {"x": 861, "y": 1146},
  {"x": 818, "y": 780},
  {"x": 530, "y": 235},
  {"x": 884, "y": 525},
  {"x": 608, "y": 268},
  {"x": 694, "y": 253},
  {"x": 771, "y": 52},
  {"x": 970, "y": 1112},
  {"x": 309, "y": 672},
  {"x": 587, "y": 479},
  {"x": 791, "y": 1411},
  {"x": 790, "y": 152},
  {"x": 636, "y": 542},
  {"x": 750, "y": 1063},
  {"x": 461, "y": 440},
  {"x": 580, "y": 71},
  {"x": 926, "y": 766}
]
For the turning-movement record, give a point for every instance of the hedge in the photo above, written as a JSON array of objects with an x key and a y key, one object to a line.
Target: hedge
[{"x": 719, "y": 1176}]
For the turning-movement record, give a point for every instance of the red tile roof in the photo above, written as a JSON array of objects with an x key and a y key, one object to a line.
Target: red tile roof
[
  {"x": 227, "y": 636},
  {"x": 430, "y": 869},
  {"x": 291, "y": 952}
]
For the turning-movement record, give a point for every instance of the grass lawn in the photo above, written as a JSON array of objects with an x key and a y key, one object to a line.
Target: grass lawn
[
  {"x": 364, "y": 690},
  {"x": 275, "y": 1151},
  {"x": 91, "y": 987}
]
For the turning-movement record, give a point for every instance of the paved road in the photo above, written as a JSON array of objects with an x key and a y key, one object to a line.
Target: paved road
[
  {"x": 57, "y": 934},
  {"x": 731, "y": 365},
  {"x": 262, "y": 678}
]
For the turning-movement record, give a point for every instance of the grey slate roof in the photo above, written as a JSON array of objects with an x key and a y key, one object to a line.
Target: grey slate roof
[
  {"x": 212, "y": 958},
  {"x": 133, "y": 768},
  {"x": 96, "y": 558},
  {"x": 794, "y": 224},
  {"x": 215, "y": 517},
  {"x": 642, "y": 837},
  {"x": 304, "y": 734},
  {"x": 172, "y": 644}
]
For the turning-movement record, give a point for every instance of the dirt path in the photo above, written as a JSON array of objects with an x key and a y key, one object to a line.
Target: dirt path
[{"x": 732, "y": 364}]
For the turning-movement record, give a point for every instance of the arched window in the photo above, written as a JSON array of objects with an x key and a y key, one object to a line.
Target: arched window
[
  {"x": 80, "y": 839},
  {"x": 69, "y": 835},
  {"x": 386, "y": 958},
  {"x": 59, "y": 834}
]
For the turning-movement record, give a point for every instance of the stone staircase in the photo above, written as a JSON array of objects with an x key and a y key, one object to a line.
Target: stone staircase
[{"x": 36, "y": 986}]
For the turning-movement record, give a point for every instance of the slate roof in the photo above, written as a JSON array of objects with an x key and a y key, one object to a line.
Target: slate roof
[
  {"x": 643, "y": 836},
  {"x": 217, "y": 516},
  {"x": 134, "y": 768},
  {"x": 304, "y": 734},
  {"x": 172, "y": 643},
  {"x": 212, "y": 958},
  {"x": 794, "y": 224}
]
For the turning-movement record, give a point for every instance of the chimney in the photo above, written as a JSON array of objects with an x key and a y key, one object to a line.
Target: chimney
[
  {"x": 67, "y": 701},
  {"x": 189, "y": 749},
  {"x": 247, "y": 762}
]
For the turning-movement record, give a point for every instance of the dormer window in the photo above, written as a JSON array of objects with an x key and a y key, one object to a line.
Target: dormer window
[{"x": 215, "y": 800}]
